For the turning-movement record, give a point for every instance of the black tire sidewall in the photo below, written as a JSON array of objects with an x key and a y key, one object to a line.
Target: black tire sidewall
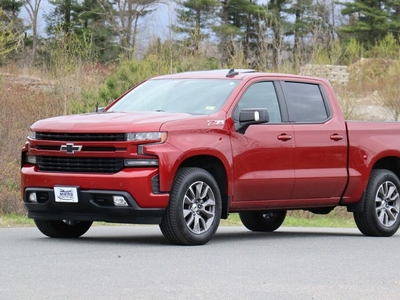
[
  {"x": 59, "y": 229},
  {"x": 276, "y": 221},
  {"x": 183, "y": 181},
  {"x": 255, "y": 220},
  {"x": 378, "y": 177}
]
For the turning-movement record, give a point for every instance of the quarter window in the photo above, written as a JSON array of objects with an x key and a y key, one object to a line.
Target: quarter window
[{"x": 307, "y": 103}]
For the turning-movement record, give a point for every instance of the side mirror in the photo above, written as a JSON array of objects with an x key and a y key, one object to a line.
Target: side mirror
[
  {"x": 100, "y": 109},
  {"x": 251, "y": 116}
]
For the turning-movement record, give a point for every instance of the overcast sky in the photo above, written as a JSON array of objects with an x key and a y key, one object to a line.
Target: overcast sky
[{"x": 155, "y": 24}]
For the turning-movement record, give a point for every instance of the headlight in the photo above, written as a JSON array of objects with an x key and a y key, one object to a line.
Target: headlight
[
  {"x": 32, "y": 135},
  {"x": 157, "y": 137}
]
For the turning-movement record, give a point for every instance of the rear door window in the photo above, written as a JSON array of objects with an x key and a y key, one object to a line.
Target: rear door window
[{"x": 306, "y": 102}]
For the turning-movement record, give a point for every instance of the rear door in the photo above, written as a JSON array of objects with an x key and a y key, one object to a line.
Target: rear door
[
  {"x": 263, "y": 157},
  {"x": 320, "y": 140}
]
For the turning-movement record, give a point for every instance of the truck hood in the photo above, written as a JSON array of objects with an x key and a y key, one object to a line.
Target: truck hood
[{"x": 108, "y": 122}]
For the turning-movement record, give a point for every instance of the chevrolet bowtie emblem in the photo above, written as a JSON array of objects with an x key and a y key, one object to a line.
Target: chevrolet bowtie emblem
[{"x": 70, "y": 148}]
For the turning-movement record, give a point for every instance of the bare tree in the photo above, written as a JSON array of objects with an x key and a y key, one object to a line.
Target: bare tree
[
  {"x": 32, "y": 7},
  {"x": 125, "y": 19},
  {"x": 389, "y": 90}
]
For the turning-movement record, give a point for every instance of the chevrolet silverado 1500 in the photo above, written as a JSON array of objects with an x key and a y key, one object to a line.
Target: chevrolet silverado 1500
[{"x": 185, "y": 150}]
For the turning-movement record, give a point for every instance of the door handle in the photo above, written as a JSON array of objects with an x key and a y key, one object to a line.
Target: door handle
[
  {"x": 336, "y": 137},
  {"x": 284, "y": 137}
]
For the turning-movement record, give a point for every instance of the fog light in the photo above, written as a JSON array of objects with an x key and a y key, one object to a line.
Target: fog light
[
  {"x": 32, "y": 197},
  {"x": 119, "y": 201},
  {"x": 153, "y": 162},
  {"x": 31, "y": 159}
]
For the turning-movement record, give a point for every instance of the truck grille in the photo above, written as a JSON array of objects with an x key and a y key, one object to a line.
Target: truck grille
[
  {"x": 84, "y": 148},
  {"x": 80, "y": 164},
  {"x": 90, "y": 137}
]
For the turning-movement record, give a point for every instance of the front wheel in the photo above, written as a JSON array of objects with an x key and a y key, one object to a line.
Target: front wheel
[
  {"x": 63, "y": 229},
  {"x": 266, "y": 221},
  {"x": 194, "y": 210},
  {"x": 380, "y": 216}
]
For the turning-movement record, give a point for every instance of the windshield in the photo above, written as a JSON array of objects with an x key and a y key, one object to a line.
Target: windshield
[{"x": 193, "y": 96}]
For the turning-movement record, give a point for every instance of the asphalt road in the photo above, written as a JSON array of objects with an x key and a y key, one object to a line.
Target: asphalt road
[{"x": 136, "y": 262}]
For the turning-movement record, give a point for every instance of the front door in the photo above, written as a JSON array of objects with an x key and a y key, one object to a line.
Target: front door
[{"x": 263, "y": 157}]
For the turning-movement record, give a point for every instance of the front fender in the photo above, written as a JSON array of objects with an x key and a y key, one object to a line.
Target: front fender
[{"x": 172, "y": 155}]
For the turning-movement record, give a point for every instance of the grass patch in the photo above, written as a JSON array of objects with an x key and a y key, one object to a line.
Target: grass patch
[
  {"x": 319, "y": 221},
  {"x": 14, "y": 220},
  {"x": 337, "y": 218}
]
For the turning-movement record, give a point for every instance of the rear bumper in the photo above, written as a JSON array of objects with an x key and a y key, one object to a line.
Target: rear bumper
[{"x": 146, "y": 205}]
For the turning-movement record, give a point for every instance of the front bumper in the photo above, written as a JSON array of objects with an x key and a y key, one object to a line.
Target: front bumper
[
  {"x": 146, "y": 205},
  {"x": 93, "y": 205}
]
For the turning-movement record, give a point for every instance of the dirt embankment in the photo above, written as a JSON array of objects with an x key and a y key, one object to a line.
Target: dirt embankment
[{"x": 10, "y": 81}]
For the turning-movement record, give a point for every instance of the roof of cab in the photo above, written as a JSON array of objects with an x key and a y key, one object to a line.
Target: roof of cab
[
  {"x": 232, "y": 74},
  {"x": 220, "y": 73}
]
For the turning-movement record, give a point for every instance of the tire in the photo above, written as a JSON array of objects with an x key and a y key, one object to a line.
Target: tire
[
  {"x": 63, "y": 229},
  {"x": 380, "y": 216},
  {"x": 265, "y": 221},
  {"x": 194, "y": 210}
]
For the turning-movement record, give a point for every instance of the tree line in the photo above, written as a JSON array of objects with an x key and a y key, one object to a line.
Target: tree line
[{"x": 270, "y": 32}]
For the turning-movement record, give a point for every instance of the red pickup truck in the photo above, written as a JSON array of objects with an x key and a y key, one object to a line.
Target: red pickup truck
[{"x": 185, "y": 150}]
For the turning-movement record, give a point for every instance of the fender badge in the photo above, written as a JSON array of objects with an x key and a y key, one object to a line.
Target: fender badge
[{"x": 215, "y": 122}]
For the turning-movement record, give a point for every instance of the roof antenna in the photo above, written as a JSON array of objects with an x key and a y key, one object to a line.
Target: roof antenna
[{"x": 232, "y": 73}]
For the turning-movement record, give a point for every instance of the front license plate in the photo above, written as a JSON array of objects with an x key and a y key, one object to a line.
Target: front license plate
[{"x": 66, "y": 194}]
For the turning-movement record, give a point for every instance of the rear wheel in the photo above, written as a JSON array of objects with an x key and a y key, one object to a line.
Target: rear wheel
[
  {"x": 63, "y": 229},
  {"x": 194, "y": 210},
  {"x": 380, "y": 216},
  {"x": 266, "y": 221}
]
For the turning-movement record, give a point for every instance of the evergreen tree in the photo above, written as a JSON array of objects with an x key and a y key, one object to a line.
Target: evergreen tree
[
  {"x": 276, "y": 22},
  {"x": 239, "y": 26},
  {"x": 300, "y": 9},
  {"x": 11, "y": 28},
  {"x": 90, "y": 19},
  {"x": 11, "y": 7},
  {"x": 194, "y": 20},
  {"x": 226, "y": 31},
  {"x": 60, "y": 18},
  {"x": 370, "y": 20},
  {"x": 9, "y": 39},
  {"x": 310, "y": 29},
  {"x": 85, "y": 19},
  {"x": 252, "y": 28},
  {"x": 124, "y": 19}
]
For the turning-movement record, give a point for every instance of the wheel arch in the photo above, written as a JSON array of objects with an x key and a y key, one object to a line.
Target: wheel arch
[
  {"x": 371, "y": 220},
  {"x": 391, "y": 163},
  {"x": 216, "y": 168}
]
